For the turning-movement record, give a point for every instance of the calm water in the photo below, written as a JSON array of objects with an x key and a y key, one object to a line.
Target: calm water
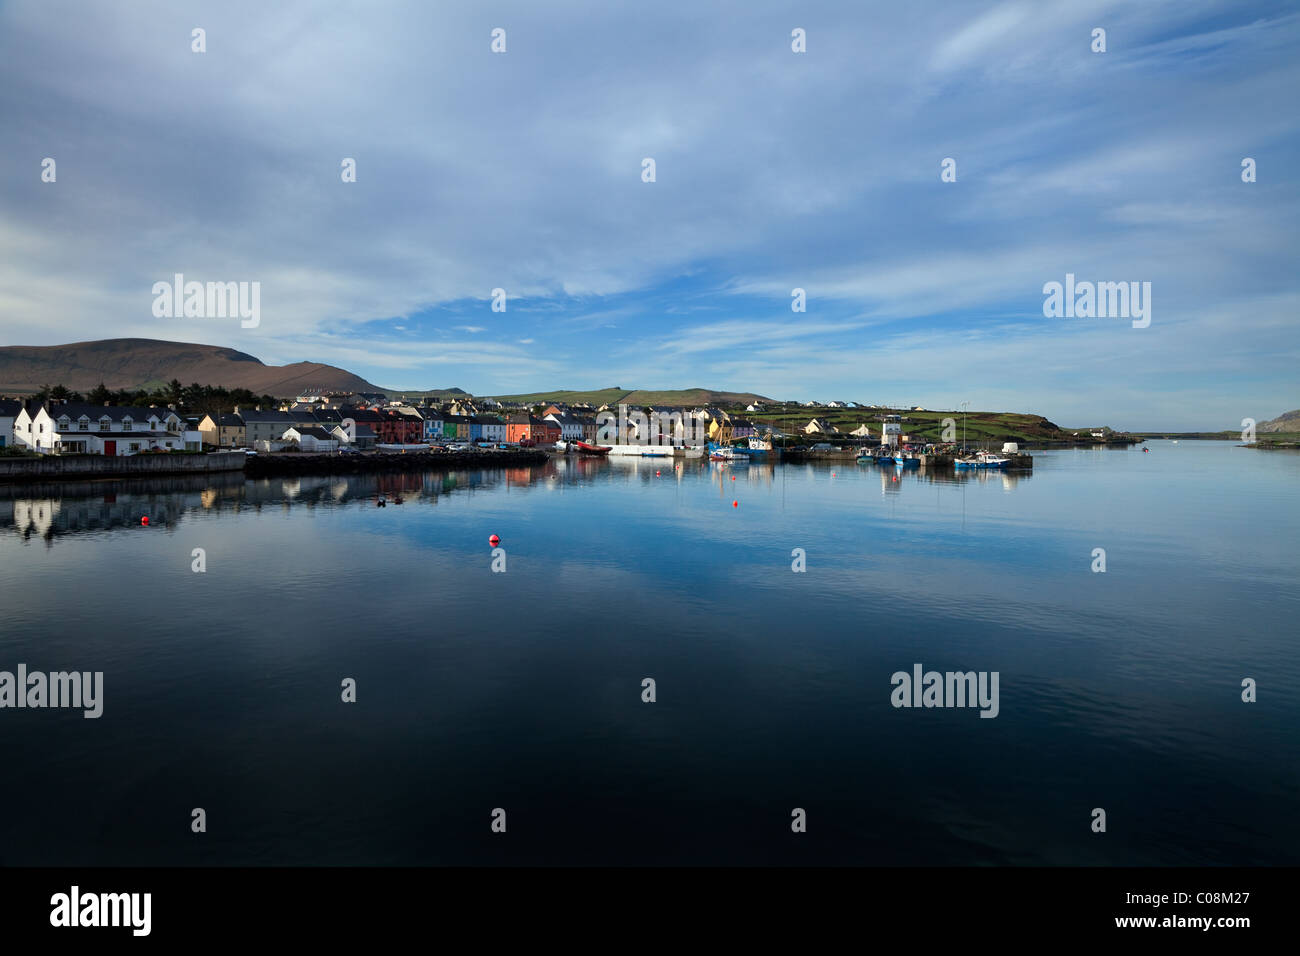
[{"x": 522, "y": 690}]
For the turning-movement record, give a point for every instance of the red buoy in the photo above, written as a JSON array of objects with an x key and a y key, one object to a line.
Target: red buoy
[
  {"x": 735, "y": 504},
  {"x": 145, "y": 521},
  {"x": 733, "y": 477},
  {"x": 656, "y": 474},
  {"x": 494, "y": 541}
]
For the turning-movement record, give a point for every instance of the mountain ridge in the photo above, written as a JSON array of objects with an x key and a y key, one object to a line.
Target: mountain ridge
[{"x": 132, "y": 363}]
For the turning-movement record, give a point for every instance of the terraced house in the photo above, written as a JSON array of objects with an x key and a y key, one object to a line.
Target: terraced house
[
  {"x": 223, "y": 431},
  {"x": 432, "y": 418},
  {"x": 264, "y": 425},
  {"x": 68, "y": 428}
]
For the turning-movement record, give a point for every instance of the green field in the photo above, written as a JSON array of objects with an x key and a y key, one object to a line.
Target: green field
[{"x": 637, "y": 397}]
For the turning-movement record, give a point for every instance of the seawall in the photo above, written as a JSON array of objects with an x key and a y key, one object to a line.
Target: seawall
[{"x": 90, "y": 467}]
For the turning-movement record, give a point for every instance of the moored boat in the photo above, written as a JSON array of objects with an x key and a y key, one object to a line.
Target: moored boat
[
  {"x": 585, "y": 449},
  {"x": 719, "y": 452}
]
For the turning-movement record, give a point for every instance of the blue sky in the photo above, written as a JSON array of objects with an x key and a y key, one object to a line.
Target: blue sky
[{"x": 775, "y": 170}]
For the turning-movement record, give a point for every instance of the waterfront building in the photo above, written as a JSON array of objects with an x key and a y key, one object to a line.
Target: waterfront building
[
  {"x": 75, "y": 428},
  {"x": 312, "y": 438},
  {"x": 223, "y": 431},
  {"x": 9, "y": 409}
]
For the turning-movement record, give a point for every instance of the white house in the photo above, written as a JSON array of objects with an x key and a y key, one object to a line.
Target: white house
[
  {"x": 570, "y": 427},
  {"x": 816, "y": 427},
  {"x": 311, "y": 438},
  {"x": 754, "y": 407},
  {"x": 432, "y": 418},
  {"x": 361, "y": 438},
  {"x": 862, "y": 431},
  {"x": 75, "y": 428}
]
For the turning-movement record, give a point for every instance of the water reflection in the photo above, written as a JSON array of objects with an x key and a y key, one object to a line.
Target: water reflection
[{"x": 50, "y": 509}]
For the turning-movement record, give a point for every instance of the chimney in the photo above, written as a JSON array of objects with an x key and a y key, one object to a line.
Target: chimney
[{"x": 236, "y": 409}]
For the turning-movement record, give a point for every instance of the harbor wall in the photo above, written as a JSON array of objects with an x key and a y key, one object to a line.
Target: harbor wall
[{"x": 71, "y": 467}]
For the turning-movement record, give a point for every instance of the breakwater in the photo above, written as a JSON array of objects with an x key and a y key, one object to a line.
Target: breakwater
[
  {"x": 275, "y": 465},
  {"x": 94, "y": 467}
]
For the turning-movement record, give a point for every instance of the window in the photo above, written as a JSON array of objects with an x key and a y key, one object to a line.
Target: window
[
  {"x": 63, "y": 424},
  {"x": 83, "y": 425},
  {"x": 42, "y": 428},
  {"x": 126, "y": 424},
  {"x": 105, "y": 424}
]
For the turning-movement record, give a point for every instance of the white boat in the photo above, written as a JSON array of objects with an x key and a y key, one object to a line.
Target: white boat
[
  {"x": 642, "y": 451},
  {"x": 656, "y": 451},
  {"x": 562, "y": 446},
  {"x": 727, "y": 453}
]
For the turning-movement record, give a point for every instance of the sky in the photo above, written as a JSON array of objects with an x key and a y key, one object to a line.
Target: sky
[{"x": 774, "y": 170}]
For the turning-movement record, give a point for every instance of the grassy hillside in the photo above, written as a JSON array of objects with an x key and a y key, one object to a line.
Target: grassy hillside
[
  {"x": 981, "y": 427},
  {"x": 637, "y": 397}
]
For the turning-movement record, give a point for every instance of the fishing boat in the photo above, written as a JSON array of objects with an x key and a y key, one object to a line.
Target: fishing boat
[
  {"x": 585, "y": 449},
  {"x": 990, "y": 460},
  {"x": 907, "y": 461},
  {"x": 718, "y": 452},
  {"x": 562, "y": 447},
  {"x": 982, "y": 459}
]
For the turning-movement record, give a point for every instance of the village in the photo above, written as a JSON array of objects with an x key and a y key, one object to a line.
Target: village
[{"x": 350, "y": 422}]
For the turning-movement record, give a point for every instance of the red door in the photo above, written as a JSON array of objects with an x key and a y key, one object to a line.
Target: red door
[{"x": 110, "y": 448}]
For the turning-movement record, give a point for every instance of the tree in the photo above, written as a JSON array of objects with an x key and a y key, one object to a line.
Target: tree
[
  {"x": 99, "y": 395},
  {"x": 175, "y": 392}
]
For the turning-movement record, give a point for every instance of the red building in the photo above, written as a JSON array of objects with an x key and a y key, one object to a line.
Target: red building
[
  {"x": 524, "y": 427},
  {"x": 401, "y": 428}
]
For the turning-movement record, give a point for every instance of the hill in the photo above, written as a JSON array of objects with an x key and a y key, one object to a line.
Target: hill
[
  {"x": 145, "y": 363},
  {"x": 1286, "y": 422},
  {"x": 638, "y": 397},
  {"x": 927, "y": 425}
]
